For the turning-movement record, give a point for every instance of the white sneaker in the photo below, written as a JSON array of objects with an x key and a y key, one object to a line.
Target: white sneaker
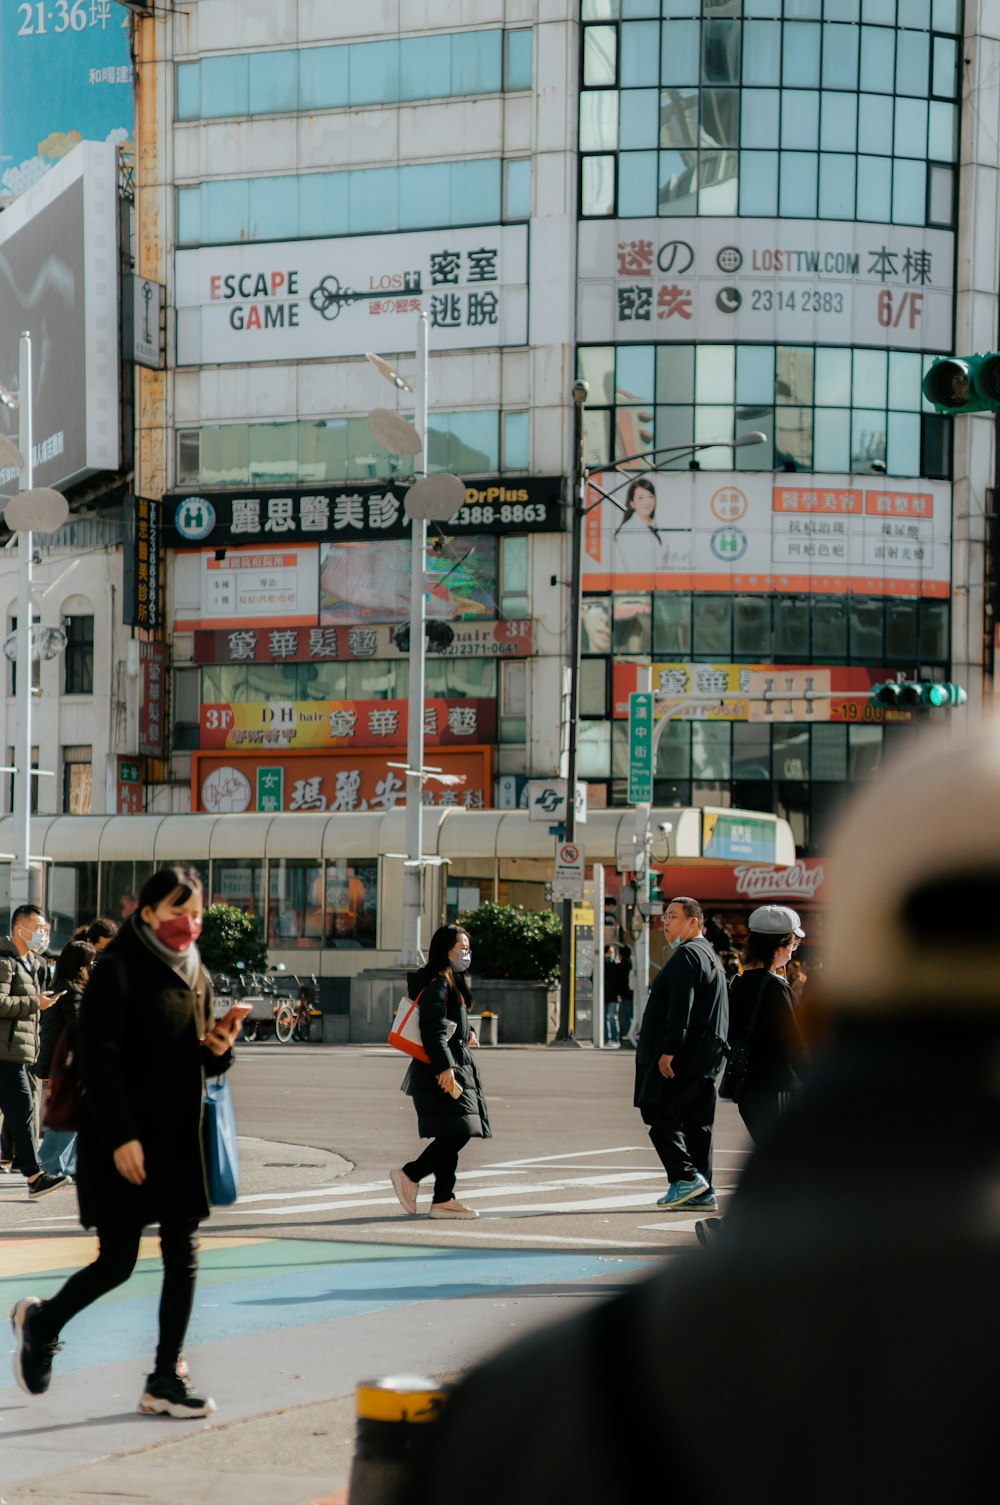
[
  {"x": 406, "y": 1191},
  {"x": 452, "y": 1209}
]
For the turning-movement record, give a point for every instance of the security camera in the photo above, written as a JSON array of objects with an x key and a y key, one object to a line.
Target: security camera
[
  {"x": 581, "y": 391},
  {"x": 878, "y": 466},
  {"x": 666, "y": 826}
]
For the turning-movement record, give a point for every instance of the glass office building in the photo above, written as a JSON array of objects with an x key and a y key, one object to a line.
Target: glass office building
[{"x": 768, "y": 206}]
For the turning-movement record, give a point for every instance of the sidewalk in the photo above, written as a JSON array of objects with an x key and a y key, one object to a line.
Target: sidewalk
[{"x": 257, "y": 1461}]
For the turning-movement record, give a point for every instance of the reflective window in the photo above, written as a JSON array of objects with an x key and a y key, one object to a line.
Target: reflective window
[
  {"x": 351, "y": 904},
  {"x": 354, "y": 202},
  {"x": 356, "y": 74},
  {"x": 294, "y": 904}
]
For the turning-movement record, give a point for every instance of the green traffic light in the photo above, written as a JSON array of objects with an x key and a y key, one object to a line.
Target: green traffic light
[
  {"x": 936, "y": 695},
  {"x": 914, "y": 692}
]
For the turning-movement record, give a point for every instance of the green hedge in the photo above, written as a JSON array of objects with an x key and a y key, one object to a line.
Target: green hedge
[{"x": 511, "y": 941}]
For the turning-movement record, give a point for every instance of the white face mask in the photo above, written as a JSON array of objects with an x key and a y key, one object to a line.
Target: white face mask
[
  {"x": 462, "y": 962},
  {"x": 677, "y": 941},
  {"x": 38, "y": 940}
]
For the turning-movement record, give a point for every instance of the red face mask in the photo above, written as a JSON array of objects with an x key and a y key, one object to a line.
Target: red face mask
[{"x": 179, "y": 932}]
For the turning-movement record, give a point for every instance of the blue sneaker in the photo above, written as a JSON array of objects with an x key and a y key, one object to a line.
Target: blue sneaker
[
  {"x": 707, "y": 1202},
  {"x": 682, "y": 1193}
]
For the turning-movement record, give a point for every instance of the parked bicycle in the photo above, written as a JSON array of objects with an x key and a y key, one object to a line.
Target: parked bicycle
[{"x": 282, "y": 1005}]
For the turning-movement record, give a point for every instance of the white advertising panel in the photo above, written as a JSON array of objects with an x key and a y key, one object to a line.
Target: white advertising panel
[
  {"x": 59, "y": 282},
  {"x": 787, "y": 281},
  {"x": 246, "y": 588},
  {"x": 697, "y": 531},
  {"x": 306, "y": 300}
]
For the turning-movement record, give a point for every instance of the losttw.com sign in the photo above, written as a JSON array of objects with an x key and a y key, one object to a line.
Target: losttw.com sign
[{"x": 317, "y": 299}]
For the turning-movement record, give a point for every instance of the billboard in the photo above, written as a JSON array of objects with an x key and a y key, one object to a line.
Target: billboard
[
  {"x": 233, "y": 783},
  {"x": 371, "y": 581},
  {"x": 246, "y": 588},
  {"x": 343, "y": 723},
  {"x": 789, "y": 281},
  {"x": 732, "y": 692},
  {"x": 319, "y": 299},
  {"x": 311, "y": 645},
  {"x": 59, "y": 282},
  {"x": 268, "y": 515},
  {"x": 691, "y": 531},
  {"x": 65, "y": 77}
]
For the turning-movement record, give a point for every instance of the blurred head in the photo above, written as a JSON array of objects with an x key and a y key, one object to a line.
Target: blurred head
[
  {"x": 917, "y": 868},
  {"x": 101, "y": 933},
  {"x": 73, "y": 966},
  {"x": 170, "y": 903}
]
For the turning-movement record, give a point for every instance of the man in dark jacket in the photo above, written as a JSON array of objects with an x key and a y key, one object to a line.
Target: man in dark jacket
[
  {"x": 836, "y": 1341},
  {"x": 22, "y": 1000},
  {"x": 678, "y": 1057}
]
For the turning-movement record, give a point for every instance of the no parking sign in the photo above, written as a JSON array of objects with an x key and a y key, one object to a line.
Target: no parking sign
[{"x": 569, "y": 871}]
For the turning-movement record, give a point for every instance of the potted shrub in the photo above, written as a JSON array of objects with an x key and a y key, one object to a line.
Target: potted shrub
[{"x": 515, "y": 962}]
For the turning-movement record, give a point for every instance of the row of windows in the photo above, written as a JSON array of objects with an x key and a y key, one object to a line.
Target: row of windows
[
  {"x": 823, "y": 408},
  {"x": 775, "y": 629},
  {"x": 922, "y": 15},
  {"x": 765, "y": 54},
  {"x": 358, "y": 202},
  {"x": 344, "y": 449},
  {"x": 233, "y": 684},
  {"x": 793, "y": 185},
  {"x": 793, "y": 118},
  {"x": 361, "y": 73},
  {"x": 769, "y": 118},
  {"x": 720, "y": 751}
]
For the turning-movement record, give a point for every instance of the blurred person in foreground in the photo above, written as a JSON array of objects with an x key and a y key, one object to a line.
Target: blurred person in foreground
[{"x": 839, "y": 1340}]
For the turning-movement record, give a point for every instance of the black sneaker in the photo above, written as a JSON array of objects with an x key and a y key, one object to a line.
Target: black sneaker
[
  {"x": 32, "y": 1355},
  {"x": 171, "y": 1395},
  {"x": 708, "y": 1231},
  {"x": 43, "y": 1184}
]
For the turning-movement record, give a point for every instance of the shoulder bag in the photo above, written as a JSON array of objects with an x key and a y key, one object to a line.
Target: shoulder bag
[
  {"x": 62, "y": 1094},
  {"x": 222, "y": 1155},
  {"x": 405, "y": 1032}
]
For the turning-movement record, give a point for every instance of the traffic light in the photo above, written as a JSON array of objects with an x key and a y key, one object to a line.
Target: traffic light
[
  {"x": 964, "y": 383},
  {"x": 913, "y": 692}
]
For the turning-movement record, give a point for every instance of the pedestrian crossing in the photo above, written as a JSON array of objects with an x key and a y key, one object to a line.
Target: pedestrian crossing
[{"x": 623, "y": 1180}]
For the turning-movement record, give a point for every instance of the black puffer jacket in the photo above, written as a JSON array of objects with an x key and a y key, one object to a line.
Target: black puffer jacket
[
  {"x": 22, "y": 979},
  {"x": 438, "y": 1115},
  {"x": 142, "y": 1071}
]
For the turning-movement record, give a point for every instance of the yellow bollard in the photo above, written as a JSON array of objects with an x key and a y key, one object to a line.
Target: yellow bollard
[{"x": 393, "y": 1429}]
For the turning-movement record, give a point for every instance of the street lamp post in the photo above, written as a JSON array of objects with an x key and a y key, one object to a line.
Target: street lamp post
[
  {"x": 581, "y": 480},
  {"x": 429, "y": 497},
  {"x": 20, "y": 873}
]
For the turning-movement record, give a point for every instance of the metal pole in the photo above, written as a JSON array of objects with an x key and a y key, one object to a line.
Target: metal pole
[
  {"x": 578, "y": 502},
  {"x": 20, "y": 873},
  {"x": 412, "y": 953},
  {"x": 640, "y": 954}
]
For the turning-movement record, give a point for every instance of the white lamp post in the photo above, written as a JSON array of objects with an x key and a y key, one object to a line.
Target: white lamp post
[
  {"x": 436, "y": 498},
  {"x": 33, "y": 510}
]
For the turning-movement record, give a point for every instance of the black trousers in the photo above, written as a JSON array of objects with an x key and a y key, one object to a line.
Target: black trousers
[
  {"x": 118, "y": 1250},
  {"x": 680, "y": 1126},
  {"x": 18, "y": 1108},
  {"x": 440, "y": 1159}
]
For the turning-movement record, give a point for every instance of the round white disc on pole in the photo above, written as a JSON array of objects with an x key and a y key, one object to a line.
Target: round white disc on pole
[
  {"x": 394, "y": 433},
  {"x": 40, "y": 510},
  {"x": 46, "y": 642},
  {"x": 384, "y": 369},
  {"x": 435, "y": 498},
  {"x": 10, "y": 456}
]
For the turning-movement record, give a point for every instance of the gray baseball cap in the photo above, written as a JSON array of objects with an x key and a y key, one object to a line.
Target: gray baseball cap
[{"x": 776, "y": 919}]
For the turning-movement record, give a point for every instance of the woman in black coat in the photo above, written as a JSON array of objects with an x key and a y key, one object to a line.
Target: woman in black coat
[
  {"x": 146, "y": 1040},
  {"x": 446, "y": 1092}
]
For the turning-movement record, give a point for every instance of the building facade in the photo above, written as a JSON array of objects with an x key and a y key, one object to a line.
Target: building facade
[{"x": 731, "y": 218}]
